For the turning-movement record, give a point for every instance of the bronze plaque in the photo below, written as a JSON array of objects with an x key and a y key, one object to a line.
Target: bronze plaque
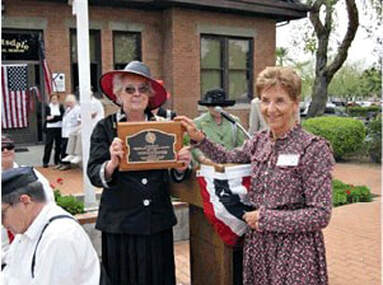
[{"x": 150, "y": 145}]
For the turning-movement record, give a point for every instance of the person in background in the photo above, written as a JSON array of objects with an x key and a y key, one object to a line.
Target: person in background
[
  {"x": 290, "y": 188},
  {"x": 97, "y": 110},
  {"x": 136, "y": 215},
  {"x": 8, "y": 162},
  {"x": 54, "y": 113},
  {"x": 51, "y": 246},
  {"x": 216, "y": 127},
  {"x": 256, "y": 120},
  {"x": 71, "y": 125}
]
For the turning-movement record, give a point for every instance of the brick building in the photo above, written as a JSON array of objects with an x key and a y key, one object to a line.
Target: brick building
[{"x": 192, "y": 45}]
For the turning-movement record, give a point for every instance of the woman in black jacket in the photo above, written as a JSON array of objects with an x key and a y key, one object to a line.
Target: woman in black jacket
[
  {"x": 136, "y": 214},
  {"x": 53, "y": 118}
]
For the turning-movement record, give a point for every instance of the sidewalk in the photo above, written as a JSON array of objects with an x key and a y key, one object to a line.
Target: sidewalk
[{"x": 353, "y": 243}]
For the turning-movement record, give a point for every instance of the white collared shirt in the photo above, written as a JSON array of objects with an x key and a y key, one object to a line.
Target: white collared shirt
[
  {"x": 55, "y": 111},
  {"x": 65, "y": 254}
]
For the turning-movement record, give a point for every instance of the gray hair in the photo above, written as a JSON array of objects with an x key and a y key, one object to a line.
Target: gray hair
[
  {"x": 70, "y": 98},
  {"x": 34, "y": 190},
  {"x": 118, "y": 86}
]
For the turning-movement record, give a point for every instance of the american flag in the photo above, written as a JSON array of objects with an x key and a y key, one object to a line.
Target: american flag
[
  {"x": 47, "y": 72},
  {"x": 14, "y": 111},
  {"x": 224, "y": 197}
]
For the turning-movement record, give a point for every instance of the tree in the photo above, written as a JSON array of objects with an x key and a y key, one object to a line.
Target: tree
[
  {"x": 324, "y": 69},
  {"x": 347, "y": 82},
  {"x": 281, "y": 55},
  {"x": 371, "y": 82}
]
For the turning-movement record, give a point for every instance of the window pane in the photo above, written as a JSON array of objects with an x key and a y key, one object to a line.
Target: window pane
[
  {"x": 238, "y": 53},
  {"x": 92, "y": 46},
  {"x": 210, "y": 79},
  {"x": 238, "y": 86},
  {"x": 74, "y": 46},
  {"x": 125, "y": 48},
  {"x": 210, "y": 53}
]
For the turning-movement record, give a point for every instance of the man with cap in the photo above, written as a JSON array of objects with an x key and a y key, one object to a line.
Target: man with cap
[
  {"x": 135, "y": 214},
  {"x": 50, "y": 246},
  {"x": 8, "y": 162},
  {"x": 215, "y": 127}
]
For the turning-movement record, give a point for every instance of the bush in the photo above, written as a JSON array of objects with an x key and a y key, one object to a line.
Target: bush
[
  {"x": 345, "y": 135},
  {"x": 374, "y": 140},
  {"x": 343, "y": 194},
  {"x": 362, "y": 111},
  {"x": 69, "y": 203}
]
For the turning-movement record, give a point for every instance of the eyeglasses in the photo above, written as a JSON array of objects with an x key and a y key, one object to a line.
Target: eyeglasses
[
  {"x": 131, "y": 89},
  {"x": 8, "y": 146}
]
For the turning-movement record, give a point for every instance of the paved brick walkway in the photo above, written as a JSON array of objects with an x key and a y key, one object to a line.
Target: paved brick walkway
[{"x": 353, "y": 241}]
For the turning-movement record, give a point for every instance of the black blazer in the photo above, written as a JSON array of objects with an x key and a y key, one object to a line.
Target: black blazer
[
  {"x": 136, "y": 202},
  {"x": 166, "y": 113}
]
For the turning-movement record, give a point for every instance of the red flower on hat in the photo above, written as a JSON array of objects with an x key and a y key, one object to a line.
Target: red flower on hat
[{"x": 60, "y": 181}]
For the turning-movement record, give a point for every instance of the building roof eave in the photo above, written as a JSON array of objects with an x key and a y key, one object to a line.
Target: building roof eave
[{"x": 280, "y": 10}]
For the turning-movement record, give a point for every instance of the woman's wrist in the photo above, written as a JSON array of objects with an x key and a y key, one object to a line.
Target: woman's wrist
[
  {"x": 199, "y": 136},
  {"x": 110, "y": 167}
]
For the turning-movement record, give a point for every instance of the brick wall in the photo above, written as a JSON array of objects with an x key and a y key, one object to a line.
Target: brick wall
[{"x": 170, "y": 42}]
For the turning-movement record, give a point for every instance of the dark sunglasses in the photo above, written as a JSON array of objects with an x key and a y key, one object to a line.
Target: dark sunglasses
[
  {"x": 8, "y": 146},
  {"x": 144, "y": 89}
]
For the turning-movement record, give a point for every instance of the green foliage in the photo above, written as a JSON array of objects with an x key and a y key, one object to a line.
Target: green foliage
[
  {"x": 362, "y": 111},
  {"x": 69, "y": 203},
  {"x": 372, "y": 81},
  {"x": 345, "y": 135},
  {"x": 346, "y": 82},
  {"x": 343, "y": 194},
  {"x": 374, "y": 141},
  {"x": 352, "y": 82}
]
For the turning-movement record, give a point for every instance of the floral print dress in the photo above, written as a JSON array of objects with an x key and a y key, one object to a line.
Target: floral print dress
[{"x": 294, "y": 202}]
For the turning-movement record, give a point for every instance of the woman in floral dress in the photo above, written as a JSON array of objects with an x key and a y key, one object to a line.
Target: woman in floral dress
[{"x": 290, "y": 187}]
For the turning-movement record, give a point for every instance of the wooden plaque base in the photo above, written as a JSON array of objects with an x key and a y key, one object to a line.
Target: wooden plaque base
[{"x": 150, "y": 145}]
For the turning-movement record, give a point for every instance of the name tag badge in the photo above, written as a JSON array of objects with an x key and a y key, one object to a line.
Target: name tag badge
[{"x": 288, "y": 160}]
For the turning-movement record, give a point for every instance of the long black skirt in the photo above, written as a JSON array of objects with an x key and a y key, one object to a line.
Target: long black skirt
[{"x": 138, "y": 259}]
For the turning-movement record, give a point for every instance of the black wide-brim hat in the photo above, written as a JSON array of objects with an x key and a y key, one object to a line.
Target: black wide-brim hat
[
  {"x": 136, "y": 68},
  {"x": 216, "y": 97}
]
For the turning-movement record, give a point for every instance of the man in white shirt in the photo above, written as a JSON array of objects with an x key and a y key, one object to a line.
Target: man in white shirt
[
  {"x": 8, "y": 162},
  {"x": 50, "y": 246}
]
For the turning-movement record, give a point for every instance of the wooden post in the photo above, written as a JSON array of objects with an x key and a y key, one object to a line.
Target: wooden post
[{"x": 211, "y": 261}]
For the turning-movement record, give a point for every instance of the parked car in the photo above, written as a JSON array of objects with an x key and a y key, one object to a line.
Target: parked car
[{"x": 330, "y": 110}]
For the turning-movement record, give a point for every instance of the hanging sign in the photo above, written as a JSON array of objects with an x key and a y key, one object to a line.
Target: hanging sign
[
  {"x": 16, "y": 46},
  {"x": 59, "y": 82}
]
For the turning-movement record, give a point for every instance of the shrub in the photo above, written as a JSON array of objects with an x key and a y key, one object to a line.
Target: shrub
[
  {"x": 69, "y": 203},
  {"x": 343, "y": 194},
  {"x": 345, "y": 135},
  {"x": 362, "y": 111},
  {"x": 374, "y": 140}
]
